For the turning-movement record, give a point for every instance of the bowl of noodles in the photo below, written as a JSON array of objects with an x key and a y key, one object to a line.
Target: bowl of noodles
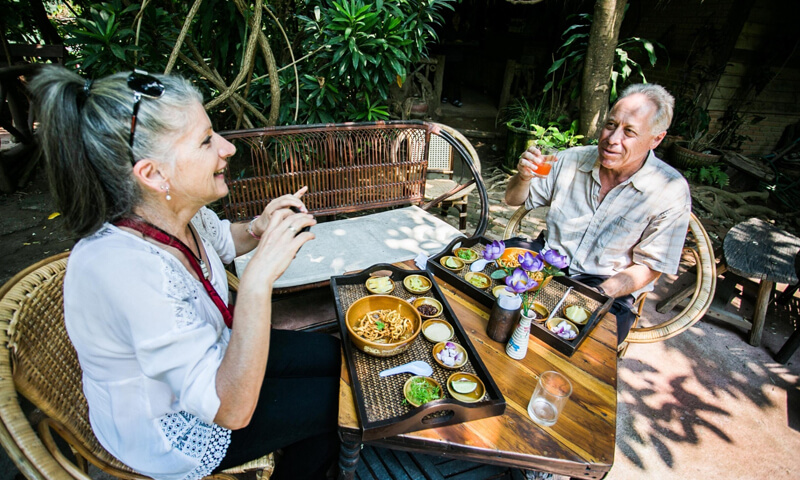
[
  {"x": 382, "y": 325},
  {"x": 510, "y": 260}
]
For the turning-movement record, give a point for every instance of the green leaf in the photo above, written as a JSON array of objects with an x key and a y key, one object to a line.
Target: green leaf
[
  {"x": 498, "y": 274},
  {"x": 118, "y": 51}
]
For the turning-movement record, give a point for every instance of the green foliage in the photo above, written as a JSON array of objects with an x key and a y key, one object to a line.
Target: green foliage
[
  {"x": 104, "y": 41},
  {"x": 569, "y": 67},
  {"x": 711, "y": 175},
  {"x": 551, "y": 136},
  {"x": 524, "y": 114},
  {"x": 363, "y": 48}
]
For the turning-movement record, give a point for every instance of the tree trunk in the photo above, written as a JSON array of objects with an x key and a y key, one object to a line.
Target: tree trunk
[{"x": 603, "y": 38}]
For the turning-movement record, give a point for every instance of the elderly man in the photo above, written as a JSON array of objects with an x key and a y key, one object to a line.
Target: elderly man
[{"x": 617, "y": 211}]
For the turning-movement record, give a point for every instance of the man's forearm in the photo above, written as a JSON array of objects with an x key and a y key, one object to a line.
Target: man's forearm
[
  {"x": 628, "y": 281},
  {"x": 517, "y": 191}
]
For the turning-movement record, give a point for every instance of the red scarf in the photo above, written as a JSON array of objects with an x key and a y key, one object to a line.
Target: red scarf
[{"x": 161, "y": 236}]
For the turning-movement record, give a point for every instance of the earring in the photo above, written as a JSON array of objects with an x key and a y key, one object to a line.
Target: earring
[{"x": 169, "y": 197}]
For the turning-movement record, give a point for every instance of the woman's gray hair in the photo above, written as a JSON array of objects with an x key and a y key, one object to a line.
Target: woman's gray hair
[
  {"x": 84, "y": 130},
  {"x": 661, "y": 98}
]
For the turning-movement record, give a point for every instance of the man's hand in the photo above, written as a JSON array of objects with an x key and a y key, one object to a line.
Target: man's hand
[{"x": 628, "y": 281}]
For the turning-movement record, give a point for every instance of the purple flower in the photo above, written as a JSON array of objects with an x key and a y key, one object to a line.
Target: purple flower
[
  {"x": 554, "y": 258},
  {"x": 494, "y": 250},
  {"x": 530, "y": 262},
  {"x": 519, "y": 282}
]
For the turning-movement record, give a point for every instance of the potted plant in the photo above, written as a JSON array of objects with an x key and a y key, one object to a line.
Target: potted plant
[{"x": 527, "y": 126}]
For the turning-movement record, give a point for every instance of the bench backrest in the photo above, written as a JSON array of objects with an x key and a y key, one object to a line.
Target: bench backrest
[{"x": 348, "y": 167}]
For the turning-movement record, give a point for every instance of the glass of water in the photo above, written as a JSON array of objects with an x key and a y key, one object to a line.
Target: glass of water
[{"x": 549, "y": 398}]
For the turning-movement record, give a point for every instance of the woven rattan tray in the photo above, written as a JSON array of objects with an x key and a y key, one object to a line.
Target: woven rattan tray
[
  {"x": 549, "y": 296},
  {"x": 379, "y": 401}
]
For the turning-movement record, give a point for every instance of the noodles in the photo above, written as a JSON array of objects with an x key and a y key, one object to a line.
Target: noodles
[{"x": 383, "y": 326}]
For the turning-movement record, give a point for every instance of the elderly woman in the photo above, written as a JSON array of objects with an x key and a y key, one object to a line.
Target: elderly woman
[{"x": 178, "y": 385}]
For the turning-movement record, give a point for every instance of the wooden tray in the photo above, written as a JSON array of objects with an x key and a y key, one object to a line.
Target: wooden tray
[
  {"x": 379, "y": 401},
  {"x": 552, "y": 292}
]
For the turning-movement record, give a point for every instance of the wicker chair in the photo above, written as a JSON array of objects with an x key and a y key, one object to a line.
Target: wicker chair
[
  {"x": 699, "y": 246},
  {"x": 41, "y": 364},
  {"x": 440, "y": 161}
]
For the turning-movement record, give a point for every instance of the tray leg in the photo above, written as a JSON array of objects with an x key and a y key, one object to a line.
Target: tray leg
[{"x": 349, "y": 454}]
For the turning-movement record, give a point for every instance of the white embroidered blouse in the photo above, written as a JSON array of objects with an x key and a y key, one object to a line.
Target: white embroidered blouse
[{"x": 150, "y": 340}]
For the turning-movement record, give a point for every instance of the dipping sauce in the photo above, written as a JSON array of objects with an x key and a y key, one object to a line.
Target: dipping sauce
[
  {"x": 428, "y": 310},
  {"x": 437, "y": 332}
]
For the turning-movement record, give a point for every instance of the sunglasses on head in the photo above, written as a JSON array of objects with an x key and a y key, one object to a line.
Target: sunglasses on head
[{"x": 142, "y": 84}]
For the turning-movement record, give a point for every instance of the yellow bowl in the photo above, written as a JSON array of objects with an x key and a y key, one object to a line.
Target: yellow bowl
[
  {"x": 457, "y": 263},
  {"x": 364, "y": 305},
  {"x": 428, "y": 301},
  {"x": 410, "y": 281},
  {"x": 542, "y": 313},
  {"x": 469, "y": 397},
  {"x": 501, "y": 290},
  {"x": 510, "y": 254},
  {"x": 379, "y": 285},
  {"x": 572, "y": 317},
  {"x": 478, "y": 280},
  {"x": 432, "y": 321},
  {"x": 553, "y": 322},
  {"x": 441, "y": 346},
  {"x": 463, "y": 252},
  {"x": 407, "y": 389}
]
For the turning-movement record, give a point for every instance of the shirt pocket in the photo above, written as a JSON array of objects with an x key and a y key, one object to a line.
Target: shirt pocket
[{"x": 619, "y": 236}]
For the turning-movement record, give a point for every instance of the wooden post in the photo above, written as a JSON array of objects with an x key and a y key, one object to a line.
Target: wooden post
[
  {"x": 508, "y": 79},
  {"x": 762, "y": 302},
  {"x": 438, "y": 78}
]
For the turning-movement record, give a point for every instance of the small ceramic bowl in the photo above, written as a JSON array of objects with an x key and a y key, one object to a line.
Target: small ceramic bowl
[
  {"x": 478, "y": 280},
  {"x": 465, "y": 380},
  {"x": 379, "y": 285},
  {"x": 408, "y": 385},
  {"x": 439, "y": 347},
  {"x": 501, "y": 290},
  {"x": 554, "y": 322},
  {"x": 438, "y": 333},
  {"x": 417, "y": 283},
  {"x": 573, "y": 314},
  {"x": 428, "y": 301},
  {"x": 542, "y": 313},
  {"x": 454, "y": 264},
  {"x": 467, "y": 255}
]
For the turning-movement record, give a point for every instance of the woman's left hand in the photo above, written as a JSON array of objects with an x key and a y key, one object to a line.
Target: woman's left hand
[{"x": 259, "y": 225}]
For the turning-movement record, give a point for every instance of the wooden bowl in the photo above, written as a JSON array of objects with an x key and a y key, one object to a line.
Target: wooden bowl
[
  {"x": 570, "y": 309},
  {"x": 478, "y": 280},
  {"x": 467, "y": 255},
  {"x": 433, "y": 321},
  {"x": 379, "y": 285},
  {"x": 510, "y": 254},
  {"x": 454, "y": 264},
  {"x": 441, "y": 346},
  {"x": 369, "y": 303},
  {"x": 553, "y": 322},
  {"x": 417, "y": 283},
  {"x": 428, "y": 301},
  {"x": 468, "y": 397},
  {"x": 407, "y": 388}
]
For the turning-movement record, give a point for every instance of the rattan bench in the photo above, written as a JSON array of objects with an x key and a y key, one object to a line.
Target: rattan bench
[{"x": 355, "y": 171}]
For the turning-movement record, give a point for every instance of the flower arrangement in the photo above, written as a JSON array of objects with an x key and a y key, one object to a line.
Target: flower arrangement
[{"x": 533, "y": 270}]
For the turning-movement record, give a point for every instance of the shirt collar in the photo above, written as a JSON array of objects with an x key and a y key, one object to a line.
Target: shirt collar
[{"x": 639, "y": 180}]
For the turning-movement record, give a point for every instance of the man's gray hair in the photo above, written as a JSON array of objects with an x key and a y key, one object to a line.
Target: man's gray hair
[
  {"x": 85, "y": 130},
  {"x": 661, "y": 98}
]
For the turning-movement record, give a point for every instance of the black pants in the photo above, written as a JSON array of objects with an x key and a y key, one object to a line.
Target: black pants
[
  {"x": 297, "y": 410},
  {"x": 622, "y": 307}
]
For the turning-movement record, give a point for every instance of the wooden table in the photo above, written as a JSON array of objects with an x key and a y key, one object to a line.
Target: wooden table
[
  {"x": 755, "y": 248},
  {"x": 581, "y": 444}
]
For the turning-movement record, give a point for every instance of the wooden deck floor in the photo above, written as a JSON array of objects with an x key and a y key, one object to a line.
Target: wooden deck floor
[{"x": 383, "y": 464}]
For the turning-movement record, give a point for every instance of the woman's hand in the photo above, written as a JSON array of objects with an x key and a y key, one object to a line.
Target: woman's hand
[
  {"x": 279, "y": 244},
  {"x": 259, "y": 225}
]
